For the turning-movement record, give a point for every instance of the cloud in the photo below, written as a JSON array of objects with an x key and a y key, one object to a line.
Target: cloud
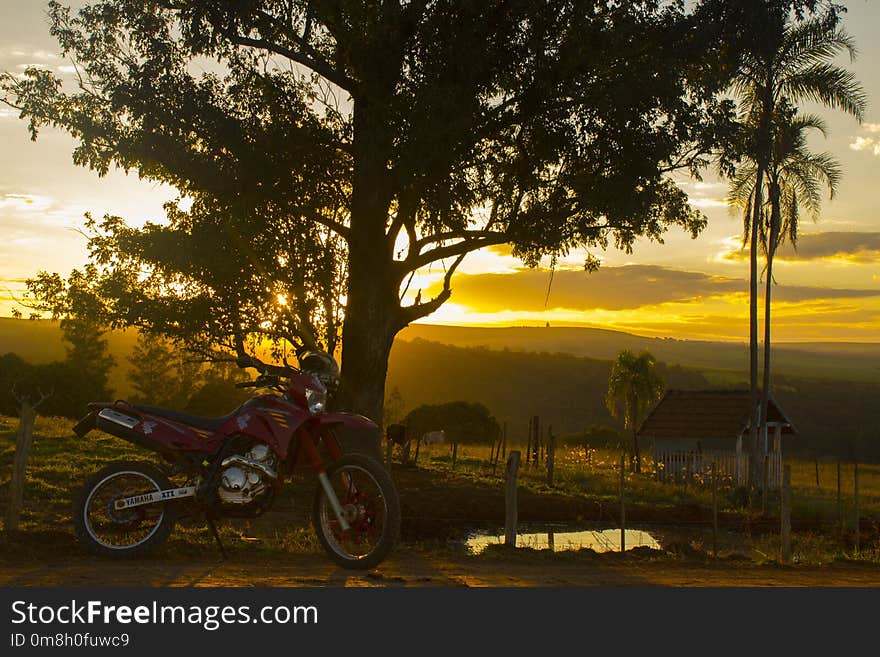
[
  {"x": 40, "y": 55},
  {"x": 25, "y": 202},
  {"x": 703, "y": 194},
  {"x": 614, "y": 289},
  {"x": 867, "y": 144},
  {"x": 708, "y": 202},
  {"x": 837, "y": 246}
]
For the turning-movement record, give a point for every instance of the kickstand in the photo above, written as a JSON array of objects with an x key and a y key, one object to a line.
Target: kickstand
[{"x": 216, "y": 535}]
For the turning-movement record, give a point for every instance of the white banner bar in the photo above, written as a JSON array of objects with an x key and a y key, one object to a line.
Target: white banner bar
[{"x": 157, "y": 496}]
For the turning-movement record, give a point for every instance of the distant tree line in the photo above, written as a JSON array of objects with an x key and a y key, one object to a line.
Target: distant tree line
[
  {"x": 161, "y": 374},
  {"x": 81, "y": 377},
  {"x": 833, "y": 418}
]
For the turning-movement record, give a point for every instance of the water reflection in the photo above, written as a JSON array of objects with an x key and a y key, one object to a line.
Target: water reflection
[{"x": 606, "y": 540}]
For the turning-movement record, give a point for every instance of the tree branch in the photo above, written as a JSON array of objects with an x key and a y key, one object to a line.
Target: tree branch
[
  {"x": 463, "y": 247},
  {"x": 419, "y": 310},
  {"x": 319, "y": 66}
]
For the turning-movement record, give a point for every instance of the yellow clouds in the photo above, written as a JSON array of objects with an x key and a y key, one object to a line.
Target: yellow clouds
[
  {"x": 657, "y": 301},
  {"x": 833, "y": 246},
  {"x": 610, "y": 288}
]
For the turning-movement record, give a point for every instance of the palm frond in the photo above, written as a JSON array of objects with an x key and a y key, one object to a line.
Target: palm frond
[{"x": 828, "y": 85}]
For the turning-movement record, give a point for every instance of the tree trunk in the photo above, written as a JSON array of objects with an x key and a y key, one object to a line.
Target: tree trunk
[
  {"x": 637, "y": 456},
  {"x": 372, "y": 315},
  {"x": 775, "y": 226},
  {"x": 754, "y": 399},
  {"x": 23, "y": 443},
  {"x": 368, "y": 332}
]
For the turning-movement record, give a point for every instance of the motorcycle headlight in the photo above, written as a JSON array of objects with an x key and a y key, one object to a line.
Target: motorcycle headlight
[{"x": 316, "y": 398}]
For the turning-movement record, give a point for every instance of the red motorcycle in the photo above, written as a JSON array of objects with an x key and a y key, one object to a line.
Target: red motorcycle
[{"x": 234, "y": 466}]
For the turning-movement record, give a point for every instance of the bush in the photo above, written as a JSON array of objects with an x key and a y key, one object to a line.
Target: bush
[{"x": 597, "y": 436}]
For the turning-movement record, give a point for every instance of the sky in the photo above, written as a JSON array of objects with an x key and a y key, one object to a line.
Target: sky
[{"x": 829, "y": 289}]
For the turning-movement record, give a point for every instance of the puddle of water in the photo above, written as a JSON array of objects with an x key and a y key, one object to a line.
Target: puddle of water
[{"x": 607, "y": 540}]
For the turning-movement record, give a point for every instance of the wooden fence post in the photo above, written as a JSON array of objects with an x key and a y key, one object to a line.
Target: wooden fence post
[
  {"x": 856, "y": 502},
  {"x": 23, "y": 441},
  {"x": 714, "y": 510},
  {"x": 510, "y": 510},
  {"x": 454, "y": 453},
  {"x": 622, "y": 502},
  {"x": 389, "y": 449},
  {"x": 542, "y": 454},
  {"x": 529, "y": 442},
  {"x": 418, "y": 446},
  {"x": 537, "y": 429},
  {"x": 817, "y": 475},
  {"x": 786, "y": 514},
  {"x": 504, "y": 442},
  {"x": 765, "y": 492},
  {"x": 839, "y": 499},
  {"x": 551, "y": 455}
]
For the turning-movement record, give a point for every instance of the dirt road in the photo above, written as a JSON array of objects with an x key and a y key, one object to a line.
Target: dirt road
[{"x": 417, "y": 568}]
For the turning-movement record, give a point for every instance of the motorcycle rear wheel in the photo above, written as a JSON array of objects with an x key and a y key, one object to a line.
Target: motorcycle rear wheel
[
  {"x": 371, "y": 505},
  {"x": 109, "y": 532}
]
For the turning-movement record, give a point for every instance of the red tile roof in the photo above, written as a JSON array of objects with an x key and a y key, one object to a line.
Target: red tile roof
[{"x": 704, "y": 414}]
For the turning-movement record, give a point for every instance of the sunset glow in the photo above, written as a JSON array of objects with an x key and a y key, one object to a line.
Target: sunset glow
[{"x": 827, "y": 289}]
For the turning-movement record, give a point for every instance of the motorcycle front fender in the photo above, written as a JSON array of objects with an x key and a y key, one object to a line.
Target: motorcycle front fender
[
  {"x": 353, "y": 433},
  {"x": 348, "y": 420}
]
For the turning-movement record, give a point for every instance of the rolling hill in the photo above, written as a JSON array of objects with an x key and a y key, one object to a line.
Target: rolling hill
[
  {"x": 821, "y": 360},
  {"x": 829, "y": 390}
]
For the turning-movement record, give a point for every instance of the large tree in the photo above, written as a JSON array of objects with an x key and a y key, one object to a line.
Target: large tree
[
  {"x": 795, "y": 178},
  {"x": 790, "y": 60},
  {"x": 332, "y": 148}
]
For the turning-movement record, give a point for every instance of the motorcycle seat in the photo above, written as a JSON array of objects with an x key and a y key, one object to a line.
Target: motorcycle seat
[{"x": 207, "y": 423}]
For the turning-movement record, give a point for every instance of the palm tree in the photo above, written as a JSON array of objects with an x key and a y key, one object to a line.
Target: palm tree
[
  {"x": 633, "y": 386},
  {"x": 790, "y": 62},
  {"x": 795, "y": 178}
]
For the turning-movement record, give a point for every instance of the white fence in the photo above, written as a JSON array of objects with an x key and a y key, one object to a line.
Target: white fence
[{"x": 683, "y": 466}]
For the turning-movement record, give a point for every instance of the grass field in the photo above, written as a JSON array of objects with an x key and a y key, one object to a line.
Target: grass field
[
  {"x": 442, "y": 505},
  {"x": 598, "y": 473},
  {"x": 823, "y": 529}
]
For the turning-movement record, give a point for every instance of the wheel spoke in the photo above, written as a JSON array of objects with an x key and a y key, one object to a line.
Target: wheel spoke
[
  {"x": 361, "y": 498},
  {"x": 127, "y": 528}
]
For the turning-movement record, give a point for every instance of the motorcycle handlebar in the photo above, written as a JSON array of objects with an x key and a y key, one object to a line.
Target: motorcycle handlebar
[{"x": 252, "y": 361}]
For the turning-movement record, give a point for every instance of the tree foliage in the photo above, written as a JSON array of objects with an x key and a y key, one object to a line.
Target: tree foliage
[
  {"x": 463, "y": 422},
  {"x": 331, "y": 150},
  {"x": 790, "y": 60},
  {"x": 634, "y": 385}
]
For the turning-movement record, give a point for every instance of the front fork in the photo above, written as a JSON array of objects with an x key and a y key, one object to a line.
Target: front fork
[{"x": 307, "y": 444}]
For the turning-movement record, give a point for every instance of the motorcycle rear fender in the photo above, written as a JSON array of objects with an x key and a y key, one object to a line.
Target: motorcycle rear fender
[{"x": 151, "y": 432}]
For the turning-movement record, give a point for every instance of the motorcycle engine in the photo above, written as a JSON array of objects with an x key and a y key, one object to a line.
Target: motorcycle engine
[{"x": 246, "y": 477}]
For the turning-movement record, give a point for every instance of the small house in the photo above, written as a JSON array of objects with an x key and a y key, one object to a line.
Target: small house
[{"x": 689, "y": 430}]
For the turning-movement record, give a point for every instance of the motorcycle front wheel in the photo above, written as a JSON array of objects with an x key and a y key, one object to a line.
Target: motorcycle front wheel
[
  {"x": 371, "y": 506},
  {"x": 108, "y": 531}
]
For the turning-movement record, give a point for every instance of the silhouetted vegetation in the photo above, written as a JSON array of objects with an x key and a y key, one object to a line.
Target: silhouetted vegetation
[
  {"x": 831, "y": 417},
  {"x": 462, "y": 422},
  {"x": 457, "y": 125}
]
